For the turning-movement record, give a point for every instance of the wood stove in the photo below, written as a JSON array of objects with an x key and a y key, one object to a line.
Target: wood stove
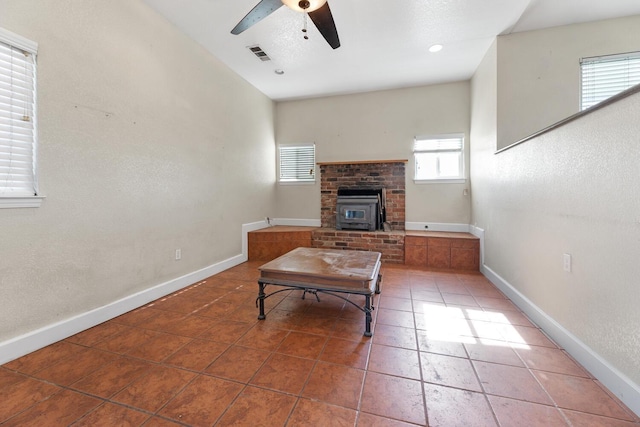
[{"x": 360, "y": 209}]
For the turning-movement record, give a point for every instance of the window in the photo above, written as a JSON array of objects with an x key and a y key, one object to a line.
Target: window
[
  {"x": 17, "y": 121},
  {"x": 297, "y": 163},
  {"x": 439, "y": 158},
  {"x": 605, "y": 76}
]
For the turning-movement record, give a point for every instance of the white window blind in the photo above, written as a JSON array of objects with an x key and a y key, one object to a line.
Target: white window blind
[
  {"x": 297, "y": 163},
  {"x": 17, "y": 116},
  {"x": 439, "y": 157},
  {"x": 606, "y": 76}
]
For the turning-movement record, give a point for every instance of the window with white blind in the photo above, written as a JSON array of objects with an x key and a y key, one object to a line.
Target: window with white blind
[
  {"x": 297, "y": 163},
  {"x": 18, "y": 183},
  {"x": 605, "y": 76},
  {"x": 439, "y": 158}
]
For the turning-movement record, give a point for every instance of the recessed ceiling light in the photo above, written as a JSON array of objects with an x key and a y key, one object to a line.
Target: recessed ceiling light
[
  {"x": 279, "y": 71},
  {"x": 435, "y": 48}
]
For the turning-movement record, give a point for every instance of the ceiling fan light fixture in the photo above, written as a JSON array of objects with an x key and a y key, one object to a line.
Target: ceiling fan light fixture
[
  {"x": 435, "y": 48},
  {"x": 299, "y": 5}
]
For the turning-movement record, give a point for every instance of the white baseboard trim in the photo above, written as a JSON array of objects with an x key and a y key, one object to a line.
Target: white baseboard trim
[
  {"x": 436, "y": 226},
  {"x": 618, "y": 383},
  {"x": 29, "y": 342},
  {"x": 296, "y": 222}
]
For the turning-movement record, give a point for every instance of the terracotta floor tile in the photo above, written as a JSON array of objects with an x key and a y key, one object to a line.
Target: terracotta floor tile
[
  {"x": 159, "y": 347},
  {"x": 580, "y": 394},
  {"x": 589, "y": 420},
  {"x": 76, "y": 366},
  {"x": 496, "y": 303},
  {"x": 109, "y": 415},
  {"x": 283, "y": 373},
  {"x": 459, "y": 300},
  {"x": 96, "y": 334},
  {"x": 136, "y": 316},
  {"x": 452, "y": 288},
  {"x": 403, "y": 319},
  {"x": 351, "y": 329},
  {"x": 517, "y": 413},
  {"x": 329, "y": 305},
  {"x": 302, "y": 345},
  {"x": 335, "y": 384},
  {"x": 309, "y": 413},
  {"x": 113, "y": 377},
  {"x": 203, "y": 401},
  {"x": 369, "y": 420},
  {"x": 294, "y": 303},
  {"x": 394, "y": 303},
  {"x": 449, "y": 371},
  {"x": 438, "y": 345},
  {"x": 245, "y": 314},
  {"x": 160, "y": 422},
  {"x": 8, "y": 378},
  {"x": 395, "y": 336},
  {"x": 161, "y": 320},
  {"x": 257, "y": 407},
  {"x": 23, "y": 394},
  {"x": 190, "y": 326},
  {"x": 226, "y": 331},
  {"x": 453, "y": 407},
  {"x": 43, "y": 358},
  {"x": 154, "y": 389},
  {"x": 552, "y": 360},
  {"x": 515, "y": 318},
  {"x": 524, "y": 335},
  {"x": 380, "y": 397},
  {"x": 394, "y": 361},
  {"x": 238, "y": 363},
  {"x": 315, "y": 324},
  {"x": 263, "y": 337},
  {"x": 426, "y": 296},
  {"x": 510, "y": 381},
  {"x": 344, "y": 352},
  {"x": 397, "y": 292},
  {"x": 494, "y": 352},
  {"x": 197, "y": 355},
  {"x": 217, "y": 309},
  {"x": 127, "y": 340},
  {"x": 64, "y": 407}
]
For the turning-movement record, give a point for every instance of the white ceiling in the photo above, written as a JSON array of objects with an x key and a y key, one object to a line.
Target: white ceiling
[{"x": 384, "y": 42}]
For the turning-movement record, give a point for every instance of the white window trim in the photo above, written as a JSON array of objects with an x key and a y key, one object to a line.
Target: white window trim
[
  {"x": 11, "y": 202},
  {"x": 297, "y": 182},
  {"x": 459, "y": 180}
]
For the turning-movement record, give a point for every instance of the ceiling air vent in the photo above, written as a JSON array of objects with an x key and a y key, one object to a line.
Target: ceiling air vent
[{"x": 257, "y": 51}]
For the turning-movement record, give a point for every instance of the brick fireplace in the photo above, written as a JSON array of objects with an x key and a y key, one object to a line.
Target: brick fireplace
[{"x": 387, "y": 174}]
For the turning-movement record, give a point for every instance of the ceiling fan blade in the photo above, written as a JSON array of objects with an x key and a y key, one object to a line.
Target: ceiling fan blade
[
  {"x": 327, "y": 27},
  {"x": 257, "y": 14}
]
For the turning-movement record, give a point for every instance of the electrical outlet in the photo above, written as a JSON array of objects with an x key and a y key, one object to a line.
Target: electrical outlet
[
  {"x": 178, "y": 254},
  {"x": 566, "y": 258}
]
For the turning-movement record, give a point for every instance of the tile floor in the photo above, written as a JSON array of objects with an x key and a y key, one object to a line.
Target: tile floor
[{"x": 448, "y": 350}]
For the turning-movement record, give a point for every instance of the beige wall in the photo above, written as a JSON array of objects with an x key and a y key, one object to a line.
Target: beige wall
[
  {"x": 539, "y": 72},
  {"x": 573, "y": 190},
  {"x": 377, "y": 126},
  {"x": 147, "y": 144}
]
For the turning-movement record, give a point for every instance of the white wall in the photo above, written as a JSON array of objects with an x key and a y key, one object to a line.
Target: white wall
[
  {"x": 377, "y": 126},
  {"x": 573, "y": 190},
  {"x": 147, "y": 144},
  {"x": 539, "y": 71}
]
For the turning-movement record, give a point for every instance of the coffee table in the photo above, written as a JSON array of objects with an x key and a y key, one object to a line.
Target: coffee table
[{"x": 327, "y": 271}]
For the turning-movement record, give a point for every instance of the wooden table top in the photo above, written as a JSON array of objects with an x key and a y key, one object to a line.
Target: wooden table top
[{"x": 327, "y": 267}]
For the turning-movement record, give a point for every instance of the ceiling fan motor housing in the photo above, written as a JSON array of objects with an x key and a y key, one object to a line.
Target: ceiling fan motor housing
[{"x": 304, "y": 4}]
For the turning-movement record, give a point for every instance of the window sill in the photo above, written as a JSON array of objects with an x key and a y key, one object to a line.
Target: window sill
[
  {"x": 440, "y": 181},
  {"x": 20, "y": 202},
  {"x": 296, "y": 182}
]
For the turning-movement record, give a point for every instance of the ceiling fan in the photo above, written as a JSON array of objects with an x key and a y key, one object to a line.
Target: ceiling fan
[{"x": 318, "y": 11}]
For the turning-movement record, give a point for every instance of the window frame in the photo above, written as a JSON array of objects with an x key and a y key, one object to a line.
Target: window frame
[
  {"x": 15, "y": 41},
  {"x": 460, "y": 178},
  {"x": 624, "y": 63},
  {"x": 297, "y": 181}
]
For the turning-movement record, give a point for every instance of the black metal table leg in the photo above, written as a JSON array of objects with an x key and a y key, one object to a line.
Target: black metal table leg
[
  {"x": 367, "y": 313},
  {"x": 261, "y": 297}
]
